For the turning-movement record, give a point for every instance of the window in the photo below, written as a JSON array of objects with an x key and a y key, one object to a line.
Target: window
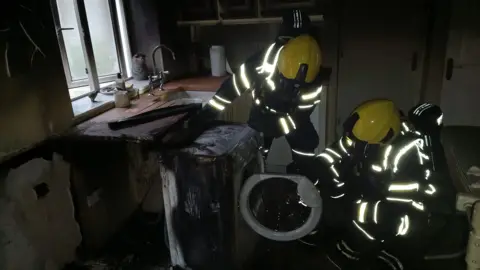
[{"x": 95, "y": 58}]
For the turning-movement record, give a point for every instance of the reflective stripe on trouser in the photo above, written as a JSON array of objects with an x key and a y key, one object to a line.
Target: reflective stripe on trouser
[
  {"x": 265, "y": 148},
  {"x": 345, "y": 257},
  {"x": 301, "y": 153},
  {"x": 373, "y": 228},
  {"x": 264, "y": 151},
  {"x": 303, "y": 142},
  {"x": 287, "y": 124}
]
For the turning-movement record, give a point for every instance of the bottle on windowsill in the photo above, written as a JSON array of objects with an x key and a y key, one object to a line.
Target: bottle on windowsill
[{"x": 120, "y": 83}]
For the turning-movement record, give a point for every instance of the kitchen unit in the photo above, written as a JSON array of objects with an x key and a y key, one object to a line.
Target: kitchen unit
[{"x": 245, "y": 9}]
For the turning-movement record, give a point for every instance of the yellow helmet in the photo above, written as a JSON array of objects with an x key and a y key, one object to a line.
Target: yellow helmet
[
  {"x": 374, "y": 122},
  {"x": 300, "y": 59}
]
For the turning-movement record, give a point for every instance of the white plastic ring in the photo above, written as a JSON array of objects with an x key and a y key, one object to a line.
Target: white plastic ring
[{"x": 245, "y": 209}]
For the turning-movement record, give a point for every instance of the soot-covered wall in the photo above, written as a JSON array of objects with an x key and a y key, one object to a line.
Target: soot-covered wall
[{"x": 34, "y": 100}]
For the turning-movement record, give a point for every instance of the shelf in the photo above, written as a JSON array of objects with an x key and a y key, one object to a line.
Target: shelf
[{"x": 313, "y": 18}]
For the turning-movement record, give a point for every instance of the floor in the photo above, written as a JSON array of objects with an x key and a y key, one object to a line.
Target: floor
[{"x": 141, "y": 246}]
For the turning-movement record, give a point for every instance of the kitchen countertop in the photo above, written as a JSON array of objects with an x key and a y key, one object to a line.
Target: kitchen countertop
[
  {"x": 97, "y": 129},
  {"x": 143, "y": 104},
  {"x": 172, "y": 90},
  {"x": 208, "y": 84}
]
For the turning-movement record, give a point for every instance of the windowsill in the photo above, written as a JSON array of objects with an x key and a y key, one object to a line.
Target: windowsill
[
  {"x": 84, "y": 108},
  {"x": 84, "y": 105},
  {"x": 78, "y": 91}
]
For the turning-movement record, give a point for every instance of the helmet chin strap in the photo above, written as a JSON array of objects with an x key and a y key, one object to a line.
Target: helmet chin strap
[{"x": 302, "y": 73}]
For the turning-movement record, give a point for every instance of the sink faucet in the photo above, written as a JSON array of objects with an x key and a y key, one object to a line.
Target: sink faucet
[{"x": 159, "y": 74}]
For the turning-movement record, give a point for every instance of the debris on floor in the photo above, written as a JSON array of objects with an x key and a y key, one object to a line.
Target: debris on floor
[{"x": 139, "y": 246}]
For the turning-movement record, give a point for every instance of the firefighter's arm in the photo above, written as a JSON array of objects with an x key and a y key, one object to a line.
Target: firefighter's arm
[
  {"x": 231, "y": 88},
  {"x": 329, "y": 166},
  {"x": 435, "y": 189},
  {"x": 240, "y": 82},
  {"x": 384, "y": 209},
  {"x": 310, "y": 98}
]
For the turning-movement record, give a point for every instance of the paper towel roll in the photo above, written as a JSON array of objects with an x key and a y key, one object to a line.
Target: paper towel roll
[{"x": 217, "y": 61}]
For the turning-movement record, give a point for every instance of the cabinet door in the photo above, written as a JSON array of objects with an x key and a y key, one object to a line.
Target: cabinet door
[
  {"x": 286, "y": 4},
  {"x": 278, "y": 7},
  {"x": 198, "y": 10},
  {"x": 461, "y": 84},
  {"x": 237, "y": 8},
  {"x": 381, "y": 53}
]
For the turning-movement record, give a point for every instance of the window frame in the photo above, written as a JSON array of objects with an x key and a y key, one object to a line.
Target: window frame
[{"x": 122, "y": 45}]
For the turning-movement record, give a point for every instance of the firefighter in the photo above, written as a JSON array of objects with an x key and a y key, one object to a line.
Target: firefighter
[
  {"x": 285, "y": 82},
  {"x": 382, "y": 183}
]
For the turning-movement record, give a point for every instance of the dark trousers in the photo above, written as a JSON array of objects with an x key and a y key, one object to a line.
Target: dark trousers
[{"x": 304, "y": 139}]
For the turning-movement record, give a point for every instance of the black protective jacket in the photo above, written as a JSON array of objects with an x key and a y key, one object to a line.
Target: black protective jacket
[
  {"x": 388, "y": 197},
  {"x": 277, "y": 110}
]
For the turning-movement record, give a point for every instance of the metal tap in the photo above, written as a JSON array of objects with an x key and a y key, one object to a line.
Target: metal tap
[{"x": 159, "y": 75}]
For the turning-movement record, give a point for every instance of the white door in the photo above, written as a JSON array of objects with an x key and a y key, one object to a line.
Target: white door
[
  {"x": 461, "y": 85},
  {"x": 381, "y": 53}
]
